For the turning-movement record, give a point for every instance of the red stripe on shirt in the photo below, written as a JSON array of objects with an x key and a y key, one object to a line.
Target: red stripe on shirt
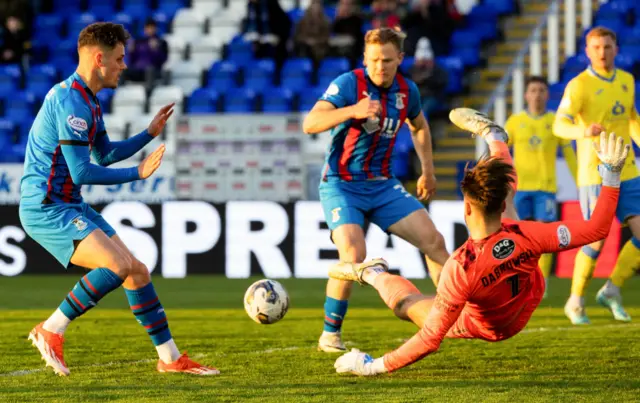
[
  {"x": 354, "y": 131},
  {"x": 404, "y": 92}
]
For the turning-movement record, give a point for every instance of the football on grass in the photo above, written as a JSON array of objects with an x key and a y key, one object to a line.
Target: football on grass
[{"x": 266, "y": 301}]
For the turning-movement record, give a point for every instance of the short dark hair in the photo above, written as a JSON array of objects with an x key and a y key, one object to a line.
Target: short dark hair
[
  {"x": 104, "y": 34},
  {"x": 487, "y": 184},
  {"x": 536, "y": 79}
]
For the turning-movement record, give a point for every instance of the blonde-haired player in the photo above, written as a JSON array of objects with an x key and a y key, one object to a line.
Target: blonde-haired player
[
  {"x": 602, "y": 98},
  {"x": 534, "y": 150}
]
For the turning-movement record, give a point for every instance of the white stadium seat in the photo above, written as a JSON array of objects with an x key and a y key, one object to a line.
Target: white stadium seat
[
  {"x": 206, "y": 50},
  {"x": 186, "y": 75},
  {"x": 207, "y": 8},
  {"x": 177, "y": 46},
  {"x": 163, "y": 95},
  {"x": 116, "y": 126},
  {"x": 188, "y": 24},
  {"x": 129, "y": 100}
]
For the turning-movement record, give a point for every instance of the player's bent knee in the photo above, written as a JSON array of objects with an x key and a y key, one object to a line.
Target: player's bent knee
[
  {"x": 122, "y": 265},
  {"x": 432, "y": 243}
]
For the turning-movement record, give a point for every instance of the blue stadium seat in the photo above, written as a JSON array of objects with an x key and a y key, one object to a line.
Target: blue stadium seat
[
  {"x": 65, "y": 64},
  {"x": 67, "y": 7},
  {"x": 277, "y": 100},
  {"x": 223, "y": 75},
  {"x": 170, "y": 7},
  {"x": 162, "y": 19},
  {"x": 308, "y": 98},
  {"x": 105, "y": 96},
  {"x": 295, "y": 15},
  {"x": 626, "y": 59},
  {"x": 330, "y": 68},
  {"x": 613, "y": 10},
  {"x": 466, "y": 46},
  {"x": 102, "y": 9},
  {"x": 260, "y": 75},
  {"x": 137, "y": 9},
  {"x": 556, "y": 91},
  {"x": 407, "y": 63},
  {"x": 40, "y": 79},
  {"x": 330, "y": 11},
  {"x": 296, "y": 73},
  {"x": 78, "y": 22},
  {"x": 126, "y": 20},
  {"x": 239, "y": 101},
  {"x": 19, "y": 107},
  {"x": 574, "y": 66},
  {"x": 240, "y": 51},
  {"x": 455, "y": 70},
  {"x": 10, "y": 79},
  {"x": 203, "y": 100},
  {"x": 48, "y": 27},
  {"x": 503, "y": 7},
  {"x": 483, "y": 20}
]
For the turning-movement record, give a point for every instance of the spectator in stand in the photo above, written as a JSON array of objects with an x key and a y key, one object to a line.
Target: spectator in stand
[
  {"x": 348, "y": 39},
  {"x": 385, "y": 14},
  {"x": 431, "y": 19},
  {"x": 146, "y": 56},
  {"x": 15, "y": 40},
  {"x": 430, "y": 78},
  {"x": 311, "y": 38},
  {"x": 268, "y": 27},
  {"x": 20, "y": 9}
]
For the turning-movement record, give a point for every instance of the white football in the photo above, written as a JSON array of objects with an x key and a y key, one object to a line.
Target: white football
[{"x": 266, "y": 301}]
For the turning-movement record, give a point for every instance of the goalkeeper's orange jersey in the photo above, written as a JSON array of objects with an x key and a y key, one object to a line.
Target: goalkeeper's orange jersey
[
  {"x": 490, "y": 287},
  {"x": 609, "y": 101}
]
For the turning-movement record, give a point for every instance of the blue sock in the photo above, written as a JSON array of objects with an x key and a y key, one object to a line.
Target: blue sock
[
  {"x": 334, "y": 312},
  {"x": 88, "y": 291},
  {"x": 149, "y": 312}
]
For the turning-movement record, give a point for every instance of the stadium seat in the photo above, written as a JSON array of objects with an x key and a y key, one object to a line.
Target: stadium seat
[
  {"x": 177, "y": 46},
  {"x": 67, "y": 6},
  {"x": 224, "y": 33},
  {"x": 19, "y": 107},
  {"x": 240, "y": 51},
  {"x": 206, "y": 50},
  {"x": 137, "y": 9},
  {"x": 187, "y": 76},
  {"x": 288, "y": 5},
  {"x": 77, "y": 24},
  {"x": 483, "y": 20},
  {"x": 127, "y": 20},
  {"x": 331, "y": 68},
  {"x": 239, "y": 101},
  {"x": 102, "y": 9},
  {"x": 223, "y": 75},
  {"x": 116, "y": 126},
  {"x": 188, "y": 24},
  {"x": 170, "y": 7},
  {"x": 296, "y": 73},
  {"x": 308, "y": 98},
  {"x": 207, "y": 8},
  {"x": 10, "y": 79},
  {"x": 455, "y": 70},
  {"x": 40, "y": 79},
  {"x": 277, "y": 100},
  {"x": 105, "y": 96},
  {"x": 466, "y": 46},
  {"x": 573, "y": 66},
  {"x": 407, "y": 63},
  {"x": 203, "y": 100},
  {"x": 129, "y": 100},
  {"x": 260, "y": 75},
  {"x": 503, "y": 7},
  {"x": 163, "y": 95},
  {"x": 49, "y": 27}
]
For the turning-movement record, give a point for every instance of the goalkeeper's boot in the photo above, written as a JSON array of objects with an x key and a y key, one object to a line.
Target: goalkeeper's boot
[
  {"x": 473, "y": 121},
  {"x": 186, "y": 365},
  {"x": 614, "y": 304},
  {"x": 353, "y": 271},
  {"x": 50, "y": 346},
  {"x": 576, "y": 314}
]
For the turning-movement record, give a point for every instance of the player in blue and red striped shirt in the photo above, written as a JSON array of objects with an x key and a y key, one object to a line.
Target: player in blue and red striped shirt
[
  {"x": 364, "y": 109},
  {"x": 67, "y": 130}
]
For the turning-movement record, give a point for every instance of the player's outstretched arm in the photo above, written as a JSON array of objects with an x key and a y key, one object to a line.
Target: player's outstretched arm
[
  {"x": 107, "y": 152},
  {"x": 554, "y": 237},
  {"x": 325, "y": 116}
]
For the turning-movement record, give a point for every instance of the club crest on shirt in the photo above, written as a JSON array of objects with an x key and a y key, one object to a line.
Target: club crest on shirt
[
  {"x": 80, "y": 225},
  {"x": 400, "y": 101},
  {"x": 503, "y": 249},
  {"x": 335, "y": 214},
  {"x": 77, "y": 123}
]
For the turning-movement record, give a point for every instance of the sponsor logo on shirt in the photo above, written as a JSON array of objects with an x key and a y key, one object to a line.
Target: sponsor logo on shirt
[
  {"x": 503, "y": 249},
  {"x": 564, "y": 236},
  {"x": 335, "y": 214},
  {"x": 77, "y": 123}
]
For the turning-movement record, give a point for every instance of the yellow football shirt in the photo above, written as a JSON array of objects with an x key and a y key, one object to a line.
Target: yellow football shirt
[
  {"x": 534, "y": 150},
  {"x": 609, "y": 101}
]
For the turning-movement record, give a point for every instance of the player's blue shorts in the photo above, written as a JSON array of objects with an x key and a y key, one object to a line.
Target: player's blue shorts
[
  {"x": 628, "y": 202},
  {"x": 536, "y": 205},
  {"x": 58, "y": 227},
  {"x": 382, "y": 202}
]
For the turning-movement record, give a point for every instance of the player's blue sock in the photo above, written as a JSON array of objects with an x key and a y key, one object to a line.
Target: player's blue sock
[
  {"x": 149, "y": 312},
  {"x": 334, "y": 311},
  {"x": 88, "y": 291}
]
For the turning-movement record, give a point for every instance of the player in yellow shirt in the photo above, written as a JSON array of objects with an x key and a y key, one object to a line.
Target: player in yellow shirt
[
  {"x": 534, "y": 151},
  {"x": 602, "y": 98}
]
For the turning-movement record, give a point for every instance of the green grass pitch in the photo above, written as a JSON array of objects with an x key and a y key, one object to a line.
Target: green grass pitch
[{"x": 111, "y": 359}]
